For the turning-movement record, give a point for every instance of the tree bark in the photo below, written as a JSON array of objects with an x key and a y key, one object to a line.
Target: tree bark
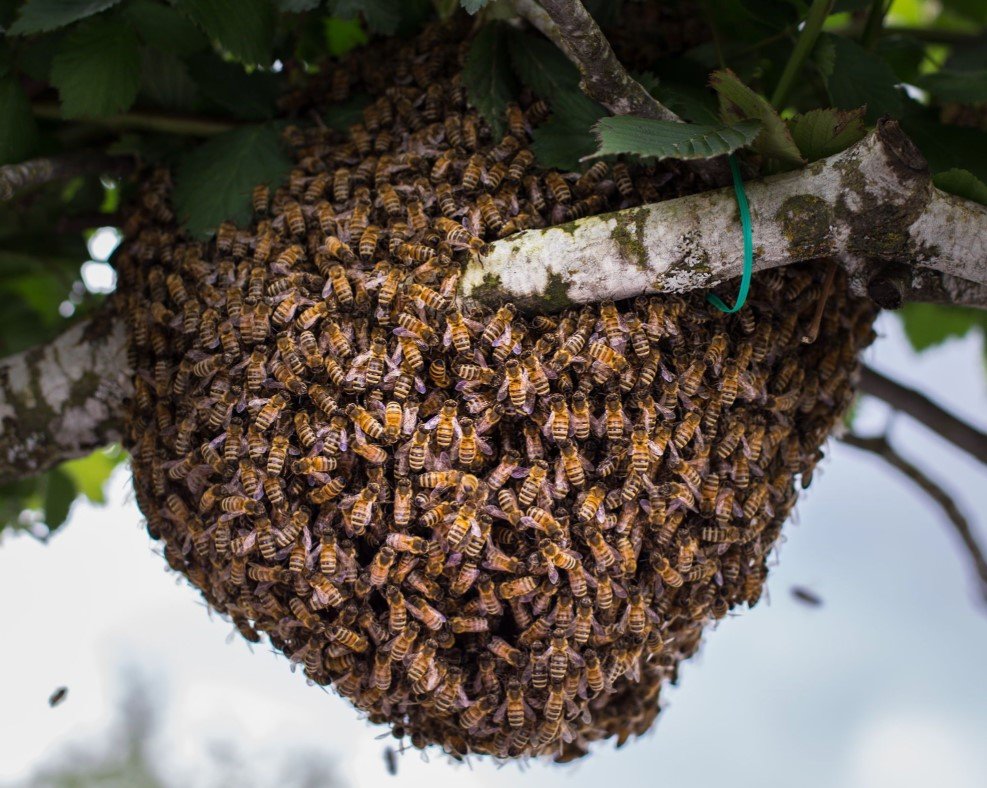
[
  {"x": 866, "y": 207},
  {"x": 65, "y": 399}
]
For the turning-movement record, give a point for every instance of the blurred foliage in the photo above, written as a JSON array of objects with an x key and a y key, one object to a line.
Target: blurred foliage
[{"x": 195, "y": 85}]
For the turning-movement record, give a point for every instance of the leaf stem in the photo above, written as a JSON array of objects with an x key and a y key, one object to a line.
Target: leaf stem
[
  {"x": 145, "y": 120},
  {"x": 875, "y": 22},
  {"x": 818, "y": 12}
]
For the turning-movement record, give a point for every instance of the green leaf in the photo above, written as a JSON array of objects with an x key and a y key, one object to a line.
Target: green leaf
[
  {"x": 298, "y": 6},
  {"x": 343, "y": 35},
  {"x": 903, "y": 53},
  {"x": 165, "y": 28},
  {"x": 214, "y": 182},
  {"x": 18, "y": 131},
  {"x": 165, "y": 80},
  {"x": 472, "y": 6},
  {"x": 945, "y": 147},
  {"x": 250, "y": 96},
  {"x": 90, "y": 474},
  {"x": 739, "y": 102},
  {"x": 541, "y": 66},
  {"x": 662, "y": 139},
  {"x": 822, "y": 132},
  {"x": 245, "y": 28},
  {"x": 962, "y": 183},
  {"x": 962, "y": 86},
  {"x": 97, "y": 69},
  {"x": 38, "y": 16},
  {"x": 488, "y": 78},
  {"x": 928, "y": 325},
  {"x": 862, "y": 79},
  {"x": 567, "y": 137},
  {"x": 59, "y": 494},
  {"x": 382, "y": 16}
]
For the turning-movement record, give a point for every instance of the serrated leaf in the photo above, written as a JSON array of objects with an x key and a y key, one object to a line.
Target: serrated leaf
[
  {"x": 662, "y": 139},
  {"x": 567, "y": 137},
  {"x": 165, "y": 80},
  {"x": 214, "y": 182},
  {"x": 862, "y": 79},
  {"x": 541, "y": 66},
  {"x": 823, "y": 132},
  {"x": 245, "y": 28},
  {"x": 382, "y": 16},
  {"x": 97, "y": 68},
  {"x": 59, "y": 494},
  {"x": 37, "y": 16},
  {"x": 18, "y": 130},
  {"x": 472, "y": 6},
  {"x": 903, "y": 53},
  {"x": 739, "y": 102},
  {"x": 962, "y": 86},
  {"x": 488, "y": 77},
  {"x": 928, "y": 325},
  {"x": 249, "y": 96},
  {"x": 962, "y": 183},
  {"x": 165, "y": 28}
]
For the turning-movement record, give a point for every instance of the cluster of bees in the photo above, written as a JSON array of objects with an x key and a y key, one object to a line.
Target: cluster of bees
[{"x": 494, "y": 532}]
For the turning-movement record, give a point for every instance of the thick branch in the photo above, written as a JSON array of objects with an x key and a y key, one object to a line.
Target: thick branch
[
  {"x": 571, "y": 28},
  {"x": 962, "y": 435},
  {"x": 868, "y": 206},
  {"x": 883, "y": 449},
  {"x": 64, "y": 399},
  {"x": 15, "y": 178}
]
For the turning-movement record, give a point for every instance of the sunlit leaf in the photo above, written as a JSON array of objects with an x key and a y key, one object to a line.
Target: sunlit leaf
[
  {"x": 928, "y": 325},
  {"x": 89, "y": 474},
  {"x": 59, "y": 494},
  {"x": 343, "y": 35}
]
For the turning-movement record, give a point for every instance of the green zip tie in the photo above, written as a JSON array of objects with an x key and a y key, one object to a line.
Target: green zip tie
[{"x": 745, "y": 220}]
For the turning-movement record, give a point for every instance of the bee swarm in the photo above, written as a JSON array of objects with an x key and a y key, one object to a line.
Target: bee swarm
[{"x": 495, "y": 533}]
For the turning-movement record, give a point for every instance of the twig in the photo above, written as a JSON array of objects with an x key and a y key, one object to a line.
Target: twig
[
  {"x": 883, "y": 449},
  {"x": 695, "y": 242},
  {"x": 818, "y": 12},
  {"x": 875, "y": 21},
  {"x": 604, "y": 79},
  {"x": 149, "y": 121},
  {"x": 813, "y": 331},
  {"x": 907, "y": 400},
  {"x": 15, "y": 178}
]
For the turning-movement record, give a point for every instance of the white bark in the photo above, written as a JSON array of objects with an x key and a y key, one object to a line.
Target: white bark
[
  {"x": 64, "y": 399},
  {"x": 869, "y": 206}
]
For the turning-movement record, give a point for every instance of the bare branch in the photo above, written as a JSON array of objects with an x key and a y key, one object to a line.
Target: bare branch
[
  {"x": 962, "y": 435},
  {"x": 883, "y": 449},
  {"x": 148, "y": 120},
  {"x": 64, "y": 399},
  {"x": 15, "y": 178},
  {"x": 871, "y": 205},
  {"x": 571, "y": 28}
]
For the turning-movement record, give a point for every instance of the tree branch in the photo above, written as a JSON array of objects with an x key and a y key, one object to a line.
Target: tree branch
[
  {"x": 570, "y": 27},
  {"x": 164, "y": 122},
  {"x": 15, "y": 178},
  {"x": 871, "y": 205},
  {"x": 883, "y": 449},
  {"x": 962, "y": 435},
  {"x": 64, "y": 399}
]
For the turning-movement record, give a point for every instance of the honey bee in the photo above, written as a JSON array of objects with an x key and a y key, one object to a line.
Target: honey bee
[
  {"x": 558, "y": 188},
  {"x": 446, "y": 425},
  {"x": 537, "y": 475},
  {"x": 501, "y": 649}
]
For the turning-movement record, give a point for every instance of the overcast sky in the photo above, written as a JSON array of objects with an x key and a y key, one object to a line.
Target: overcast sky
[{"x": 881, "y": 686}]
